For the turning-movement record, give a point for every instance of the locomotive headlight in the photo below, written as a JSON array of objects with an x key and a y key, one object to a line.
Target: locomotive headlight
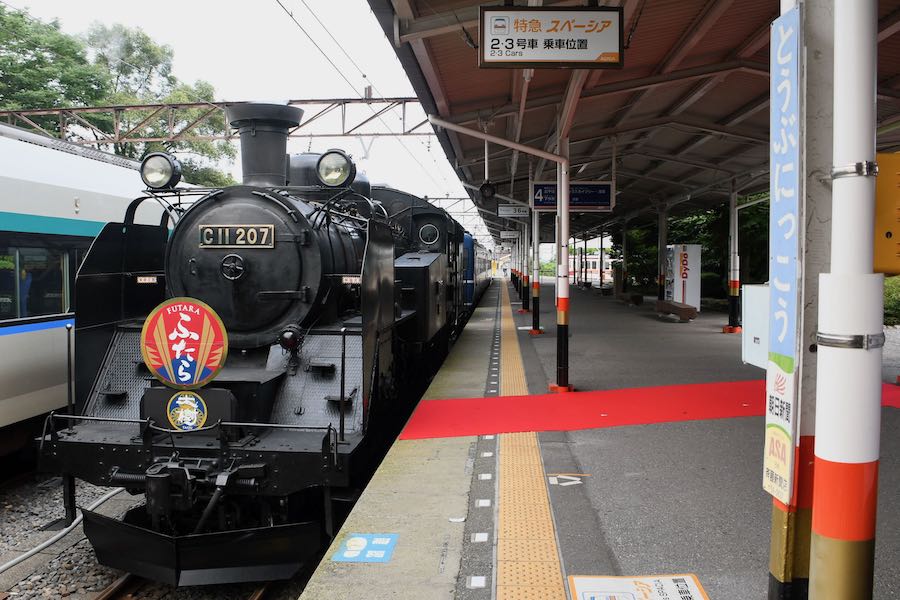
[
  {"x": 160, "y": 170},
  {"x": 335, "y": 169}
]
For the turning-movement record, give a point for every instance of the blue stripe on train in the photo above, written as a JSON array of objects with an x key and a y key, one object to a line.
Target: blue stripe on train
[
  {"x": 30, "y": 327},
  {"x": 42, "y": 224}
]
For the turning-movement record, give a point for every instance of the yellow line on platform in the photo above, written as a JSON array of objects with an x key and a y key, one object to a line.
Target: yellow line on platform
[
  {"x": 512, "y": 371},
  {"x": 528, "y": 565}
]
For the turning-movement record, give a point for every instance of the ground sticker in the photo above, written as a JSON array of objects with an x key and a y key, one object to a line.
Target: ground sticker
[
  {"x": 652, "y": 587},
  {"x": 367, "y": 548}
]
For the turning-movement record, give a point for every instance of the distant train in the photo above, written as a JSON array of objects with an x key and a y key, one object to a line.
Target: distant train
[
  {"x": 585, "y": 268},
  {"x": 244, "y": 362},
  {"x": 54, "y": 198}
]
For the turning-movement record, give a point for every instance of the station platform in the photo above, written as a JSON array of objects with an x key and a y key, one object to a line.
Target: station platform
[{"x": 651, "y": 468}]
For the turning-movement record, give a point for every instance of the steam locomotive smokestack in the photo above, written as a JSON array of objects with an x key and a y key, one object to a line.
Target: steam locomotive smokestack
[{"x": 264, "y": 130}]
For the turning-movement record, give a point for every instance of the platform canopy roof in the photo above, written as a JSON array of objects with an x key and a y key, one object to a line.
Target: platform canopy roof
[{"x": 687, "y": 114}]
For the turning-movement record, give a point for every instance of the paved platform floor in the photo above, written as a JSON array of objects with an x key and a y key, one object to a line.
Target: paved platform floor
[{"x": 680, "y": 497}]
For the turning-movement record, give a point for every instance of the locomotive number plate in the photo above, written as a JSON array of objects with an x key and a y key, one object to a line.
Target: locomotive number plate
[{"x": 237, "y": 236}]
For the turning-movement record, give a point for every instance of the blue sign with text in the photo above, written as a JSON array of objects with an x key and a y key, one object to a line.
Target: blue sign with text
[
  {"x": 366, "y": 548},
  {"x": 584, "y": 196},
  {"x": 785, "y": 229},
  {"x": 784, "y": 189}
]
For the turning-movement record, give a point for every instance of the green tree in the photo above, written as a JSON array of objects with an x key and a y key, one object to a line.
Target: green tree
[
  {"x": 205, "y": 175},
  {"x": 709, "y": 228},
  {"x": 139, "y": 67},
  {"x": 141, "y": 73},
  {"x": 42, "y": 67}
]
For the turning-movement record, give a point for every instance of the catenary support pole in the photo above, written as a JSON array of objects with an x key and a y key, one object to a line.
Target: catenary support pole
[
  {"x": 734, "y": 267},
  {"x": 661, "y": 242},
  {"x": 851, "y": 329}
]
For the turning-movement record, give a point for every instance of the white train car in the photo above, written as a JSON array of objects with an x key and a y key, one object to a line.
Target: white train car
[{"x": 54, "y": 199}]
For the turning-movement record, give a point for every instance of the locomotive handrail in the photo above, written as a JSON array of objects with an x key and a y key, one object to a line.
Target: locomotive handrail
[
  {"x": 151, "y": 423},
  {"x": 168, "y": 210},
  {"x": 290, "y": 211}
]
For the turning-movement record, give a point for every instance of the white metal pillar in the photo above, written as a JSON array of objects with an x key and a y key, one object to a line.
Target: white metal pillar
[
  {"x": 535, "y": 261},
  {"x": 851, "y": 328},
  {"x": 734, "y": 266},
  {"x": 624, "y": 256},
  {"x": 525, "y": 292},
  {"x": 662, "y": 239},
  {"x": 562, "y": 278},
  {"x": 601, "y": 261},
  {"x": 535, "y": 273}
]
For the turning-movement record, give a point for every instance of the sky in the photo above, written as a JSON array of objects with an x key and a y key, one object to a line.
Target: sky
[{"x": 253, "y": 50}]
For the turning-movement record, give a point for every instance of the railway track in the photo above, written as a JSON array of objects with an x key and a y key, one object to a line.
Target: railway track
[{"x": 132, "y": 587}]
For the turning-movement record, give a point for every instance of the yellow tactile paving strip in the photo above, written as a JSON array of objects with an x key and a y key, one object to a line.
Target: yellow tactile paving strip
[
  {"x": 527, "y": 553},
  {"x": 512, "y": 371},
  {"x": 528, "y": 564}
]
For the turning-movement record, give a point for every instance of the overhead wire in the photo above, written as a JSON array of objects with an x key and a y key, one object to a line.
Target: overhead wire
[
  {"x": 362, "y": 74},
  {"x": 290, "y": 14}
]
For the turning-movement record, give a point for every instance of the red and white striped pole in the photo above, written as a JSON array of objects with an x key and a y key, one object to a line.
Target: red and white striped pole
[
  {"x": 535, "y": 262},
  {"x": 526, "y": 257},
  {"x": 734, "y": 267},
  {"x": 562, "y": 276},
  {"x": 851, "y": 335}
]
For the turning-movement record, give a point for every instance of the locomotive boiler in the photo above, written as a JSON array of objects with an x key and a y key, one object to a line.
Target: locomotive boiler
[{"x": 237, "y": 362}]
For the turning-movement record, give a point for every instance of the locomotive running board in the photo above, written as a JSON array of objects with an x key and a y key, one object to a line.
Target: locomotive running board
[{"x": 261, "y": 554}]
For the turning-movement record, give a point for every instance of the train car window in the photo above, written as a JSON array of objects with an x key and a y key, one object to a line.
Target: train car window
[
  {"x": 9, "y": 298},
  {"x": 37, "y": 273},
  {"x": 32, "y": 282},
  {"x": 41, "y": 279}
]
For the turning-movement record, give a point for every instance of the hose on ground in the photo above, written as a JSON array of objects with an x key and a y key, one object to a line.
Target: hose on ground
[{"x": 59, "y": 535}]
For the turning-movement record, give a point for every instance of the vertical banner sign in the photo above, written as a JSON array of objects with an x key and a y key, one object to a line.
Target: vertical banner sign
[
  {"x": 784, "y": 251},
  {"x": 683, "y": 274}
]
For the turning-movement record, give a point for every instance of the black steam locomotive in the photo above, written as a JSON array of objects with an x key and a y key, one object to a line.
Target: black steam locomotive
[{"x": 332, "y": 293}]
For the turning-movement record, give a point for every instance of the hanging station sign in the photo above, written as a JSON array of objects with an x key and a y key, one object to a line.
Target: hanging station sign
[
  {"x": 785, "y": 225},
  {"x": 509, "y": 235},
  {"x": 584, "y": 196},
  {"x": 512, "y": 210},
  {"x": 580, "y": 37}
]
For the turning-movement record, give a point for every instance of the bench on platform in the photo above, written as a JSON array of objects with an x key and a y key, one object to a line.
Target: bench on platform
[{"x": 684, "y": 312}]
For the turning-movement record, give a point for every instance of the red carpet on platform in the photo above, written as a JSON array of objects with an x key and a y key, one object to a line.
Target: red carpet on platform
[{"x": 591, "y": 410}]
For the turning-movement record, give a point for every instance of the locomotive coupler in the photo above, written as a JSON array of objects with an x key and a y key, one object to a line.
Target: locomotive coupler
[
  {"x": 169, "y": 486},
  {"x": 159, "y": 497}
]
